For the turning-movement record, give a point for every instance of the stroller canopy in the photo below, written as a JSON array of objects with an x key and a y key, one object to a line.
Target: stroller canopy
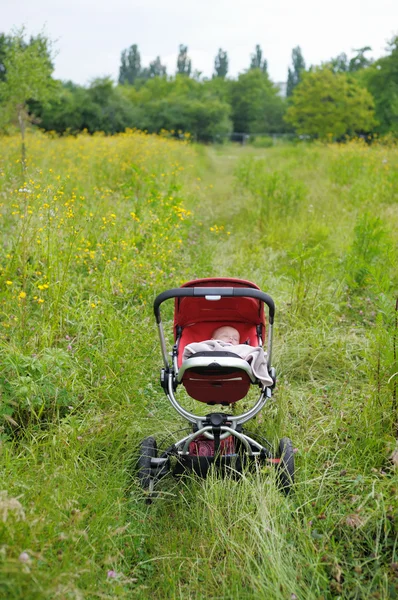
[{"x": 201, "y": 314}]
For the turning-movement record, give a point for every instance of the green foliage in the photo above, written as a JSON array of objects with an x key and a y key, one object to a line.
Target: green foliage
[
  {"x": 381, "y": 80},
  {"x": 256, "y": 105},
  {"x": 369, "y": 265},
  {"x": 130, "y": 65},
  {"x": 156, "y": 69},
  {"x": 131, "y": 72},
  {"x": 257, "y": 61},
  {"x": 360, "y": 61},
  {"x": 101, "y": 107},
  {"x": 262, "y": 141},
  {"x": 5, "y": 42},
  {"x": 180, "y": 105},
  {"x": 35, "y": 387},
  {"x": 277, "y": 191},
  {"x": 221, "y": 64},
  {"x": 329, "y": 105},
  {"x": 184, "y": 63},
  {"x": 294, "y": 74},
  {"x": 323, "y": 108},
  {"x": 28, "y": 70}
]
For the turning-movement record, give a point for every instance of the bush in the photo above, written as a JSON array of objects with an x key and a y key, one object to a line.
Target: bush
[{"x": 262, "y": 141}]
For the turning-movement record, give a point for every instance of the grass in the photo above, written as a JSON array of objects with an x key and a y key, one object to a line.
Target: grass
[{"x": 100, "y": 226}]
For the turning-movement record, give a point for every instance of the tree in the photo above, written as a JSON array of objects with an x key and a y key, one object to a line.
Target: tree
[
  {"x": 381, "y": 79},
  {"x": 340, "y": 64},
  {"x": 359, "y": 61},
  {"x": 257, "y": 61},
  {"x": 156, "y": 69},
  {"x": 294, "y": 74},
  {"x": 256, "y": 104},
  {"x": 221, "y": 64},
  {"x": 184, "y": 64},
  {"x": 326, "y": 104},
  {"x": 28, "y": 70},
  {"x": 4, "y": 46},
  {"x": 130, "y": 65}
]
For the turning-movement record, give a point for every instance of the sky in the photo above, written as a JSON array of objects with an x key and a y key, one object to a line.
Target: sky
[{"x": 89, "y": 35}]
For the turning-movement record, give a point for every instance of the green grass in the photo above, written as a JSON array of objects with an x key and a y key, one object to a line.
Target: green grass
[{"x": 107, "y": 224}]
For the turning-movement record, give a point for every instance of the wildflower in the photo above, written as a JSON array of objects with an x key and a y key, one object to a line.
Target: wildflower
[
  {"x": 111, "y": 574},
  {"x": 22, "y": 295},
  {"x": 40, "y": 300},
  {"x": 24, "y": 557},
  {"x": 8, "y": 282},
  {"x": 10, "y": 506}
]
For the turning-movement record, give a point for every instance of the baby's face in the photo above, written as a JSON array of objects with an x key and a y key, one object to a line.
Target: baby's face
[{"x": 227, "y": 334}]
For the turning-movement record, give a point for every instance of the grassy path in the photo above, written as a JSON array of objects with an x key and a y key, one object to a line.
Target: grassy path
[
  {"x": 333, "y": 538},
  {"x": 302, "y": 225}
]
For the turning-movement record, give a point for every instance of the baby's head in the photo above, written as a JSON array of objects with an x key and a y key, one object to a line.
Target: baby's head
[{"x": 227, "y": 334}]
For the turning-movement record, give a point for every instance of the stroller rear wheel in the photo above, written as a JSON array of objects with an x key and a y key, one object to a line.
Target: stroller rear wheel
[
  {"x": 148, "y": 450},
  {"x": 285, "y": 468}
]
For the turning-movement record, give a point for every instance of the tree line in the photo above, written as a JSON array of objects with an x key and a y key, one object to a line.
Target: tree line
[{"x": 345, "y": 96}]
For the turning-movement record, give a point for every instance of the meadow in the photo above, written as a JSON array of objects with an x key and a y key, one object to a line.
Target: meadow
[{"x": 92, "y": 231}]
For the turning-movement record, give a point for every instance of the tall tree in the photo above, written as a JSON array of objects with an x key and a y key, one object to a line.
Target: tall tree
[
  {"x": 257, "y": 61},
  {"x": 381, "y": 79},
  {"x": 221, "y": 64},
  {"x": 328, "y": 104},
  {"x": 294, "y": 74},
  {"x": 360, "y": 61},
  {"x": 156, "y": 69},
  {"x": 340, "y": 64},
  {"x": 184, "y": 63},
  {"x": 130, "y": 65},
  {"x": 5, "y": 42},
  {"x": 256, "y": 104},
  {"x": 28, "y": 70}
]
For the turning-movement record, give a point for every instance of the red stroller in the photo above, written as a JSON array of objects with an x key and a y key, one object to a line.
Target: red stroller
[{"x": 217, "y": 378}]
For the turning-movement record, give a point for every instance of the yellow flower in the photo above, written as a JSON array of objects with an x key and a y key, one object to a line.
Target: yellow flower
[
  {"x": 22, "y": 295},
  {"x": 8, "y": 282}
]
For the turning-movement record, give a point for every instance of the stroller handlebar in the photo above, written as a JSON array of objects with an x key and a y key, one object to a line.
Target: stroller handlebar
[{"x": 224, "y": 292}]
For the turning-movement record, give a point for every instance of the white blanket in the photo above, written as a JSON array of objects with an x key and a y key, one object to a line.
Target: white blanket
[{"x": 255, "y": 355}]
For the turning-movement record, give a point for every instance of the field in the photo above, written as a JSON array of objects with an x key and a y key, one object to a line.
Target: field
[{"x": 91, "y": 233}]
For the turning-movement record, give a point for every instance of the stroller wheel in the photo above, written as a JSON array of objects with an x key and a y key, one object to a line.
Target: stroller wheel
[
  {"x": 285, "y": 468},
  {"x": 148, "y": 450}
]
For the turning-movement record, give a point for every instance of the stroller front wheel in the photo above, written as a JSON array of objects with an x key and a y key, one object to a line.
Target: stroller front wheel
[
  {"x": 147, "y": 451},
  {"x": 285, "y": 467}
]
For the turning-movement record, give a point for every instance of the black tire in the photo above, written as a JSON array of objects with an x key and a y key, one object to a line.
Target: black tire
[
  {"x": 148, "y": 450},
  {"x": 285, "y": 468}
]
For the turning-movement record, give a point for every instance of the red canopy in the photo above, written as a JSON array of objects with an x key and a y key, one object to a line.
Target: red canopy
[{"x": 202, "y": 316}]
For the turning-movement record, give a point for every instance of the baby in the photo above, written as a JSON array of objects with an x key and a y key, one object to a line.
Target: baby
[{"x": 227, "y": 334}]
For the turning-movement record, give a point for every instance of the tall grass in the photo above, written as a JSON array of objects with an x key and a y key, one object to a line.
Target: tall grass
[{"x": 100, "y": 226}]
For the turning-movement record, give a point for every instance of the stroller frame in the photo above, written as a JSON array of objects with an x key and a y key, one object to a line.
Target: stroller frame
[{"x": 215, "y": 426}]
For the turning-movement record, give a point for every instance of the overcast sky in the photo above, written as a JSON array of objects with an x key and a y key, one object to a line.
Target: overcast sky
[{"x": 89, "y": 35}]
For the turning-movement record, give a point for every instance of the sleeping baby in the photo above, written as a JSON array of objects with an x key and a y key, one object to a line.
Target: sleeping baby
[{"x": 226, "y": 336}]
